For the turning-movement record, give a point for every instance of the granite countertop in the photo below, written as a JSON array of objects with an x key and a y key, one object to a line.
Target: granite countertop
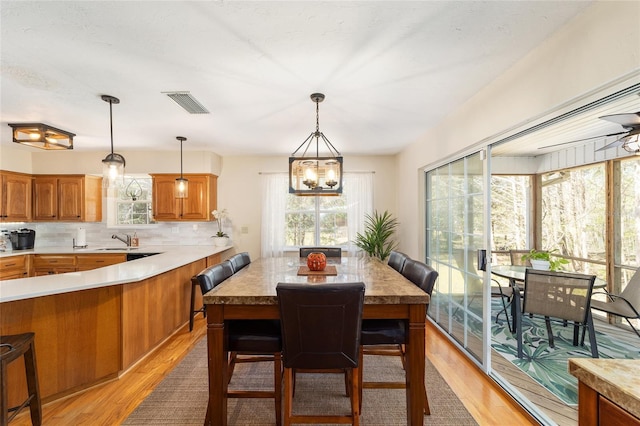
[
  {"x": 168, "y": 258},
  {"x": 256, "y": 283},
  {"x": 615, "y": 379}
]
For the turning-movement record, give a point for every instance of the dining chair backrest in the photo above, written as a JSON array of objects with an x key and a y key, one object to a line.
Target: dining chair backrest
[
  {"x": 328, "y": 251},
  {"x": 239, "y": 261},
  {"x": 397, "y": 260},
  {"x": 214, "y": 275},
  {"x": 516, "y": 257},
  {"x": 421, "y": 274},
  {"x": 320, "y": 324},
  {"x": 560, "y": 295}
]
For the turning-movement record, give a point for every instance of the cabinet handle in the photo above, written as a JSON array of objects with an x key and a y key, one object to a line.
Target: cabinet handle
[{"x": 10, "y": 264}]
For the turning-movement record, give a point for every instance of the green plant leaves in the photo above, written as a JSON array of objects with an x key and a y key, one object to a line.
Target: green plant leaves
[{"x": 377, "y": 240}]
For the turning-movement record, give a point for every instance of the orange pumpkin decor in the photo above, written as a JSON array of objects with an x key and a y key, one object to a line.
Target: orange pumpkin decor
[{"x": 316, "y": 261}]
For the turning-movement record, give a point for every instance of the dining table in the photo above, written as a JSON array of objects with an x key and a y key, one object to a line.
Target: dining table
[{"x": 251, "y": 294}]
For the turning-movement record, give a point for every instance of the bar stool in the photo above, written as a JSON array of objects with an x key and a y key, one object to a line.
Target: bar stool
[
  {"x": 192, "y": 310},
  {"x": 11, "y": 348}
]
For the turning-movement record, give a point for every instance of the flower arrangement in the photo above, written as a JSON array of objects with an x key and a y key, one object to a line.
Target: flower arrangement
[{"x": 219, "y": 216}]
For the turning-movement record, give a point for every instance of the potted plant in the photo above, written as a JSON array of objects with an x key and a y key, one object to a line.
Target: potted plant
[
  {"x": 220, "y": 239},
  {"x": 377, "y": 240},
  {"x": 542, "y": 260}
]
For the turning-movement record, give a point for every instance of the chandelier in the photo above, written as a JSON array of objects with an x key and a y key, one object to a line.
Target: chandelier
[
  {"x": 181, "y": 188},
  {"x": 317, "y": 174}
]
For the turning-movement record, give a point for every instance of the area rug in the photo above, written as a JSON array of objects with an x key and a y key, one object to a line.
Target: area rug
[
  {"x": 548, "y": 366},
  {"x": 181, "y": 398}
]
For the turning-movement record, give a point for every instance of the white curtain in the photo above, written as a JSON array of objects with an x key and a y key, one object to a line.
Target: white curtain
[
  {"x": 358, "y": 190},
  {"x": 275, "y": 189}
]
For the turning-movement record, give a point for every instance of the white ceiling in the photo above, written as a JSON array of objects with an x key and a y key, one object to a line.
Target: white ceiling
[{"x": 390, "y": 70}]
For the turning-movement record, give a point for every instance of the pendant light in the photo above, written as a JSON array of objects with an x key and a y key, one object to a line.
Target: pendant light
[
  {"x": 319, "y": 174},
  {"x": 113, "y": 164},
  {"x": 182, "y": 184},
  {"x": 42, "y": 136}
]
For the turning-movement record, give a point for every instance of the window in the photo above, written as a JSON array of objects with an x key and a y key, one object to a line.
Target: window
[
  {"x": 290, "y": 221},
  {"x": 510, "y": 215},
  {"x": 133, "y": 201},
  {"x": 574, "y": 217},
  {"x": 316, "y": 221}
]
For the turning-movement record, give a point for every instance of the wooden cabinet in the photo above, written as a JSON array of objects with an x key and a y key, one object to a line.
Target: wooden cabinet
[
  {"x": 13, "y": 267},
  {"x": 86, "y": 262},
  {"x": 69, "y": 198},
  {"x": 198, "y": 206},
  {"x": 16, "y": 195},
  {"x": 49, "y": 264}
]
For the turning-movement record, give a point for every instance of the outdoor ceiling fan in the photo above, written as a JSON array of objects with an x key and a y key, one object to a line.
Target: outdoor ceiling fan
[{"x": 629, "y": 139}]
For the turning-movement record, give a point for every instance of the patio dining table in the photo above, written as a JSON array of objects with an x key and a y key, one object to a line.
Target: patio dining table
[{"x": 251, "y": 294}]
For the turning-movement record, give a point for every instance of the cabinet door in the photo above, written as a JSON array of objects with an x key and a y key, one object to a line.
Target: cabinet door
[
  {"x": 70, "y": 198},
  {"x": 15, "y": 193},
  {"x": 195, "y": 207},
  {"x": 165, "y": 204},
  {"x": 12, "y": 267},
  {"x": 45, "y": 206},
  {"x": 87, "y": 262}
]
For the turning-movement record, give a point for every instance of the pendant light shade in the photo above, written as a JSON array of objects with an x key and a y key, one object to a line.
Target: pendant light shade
[
  {"x": 182, "y": 184},
  {"x": 113, "y": 164},
  {"x": 319, "y": 174}
]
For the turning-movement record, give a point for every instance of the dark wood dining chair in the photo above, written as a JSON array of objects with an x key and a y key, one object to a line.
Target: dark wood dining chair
[
  {"x": 328, "y": 251},
  {"x": 561, "y": 296},
  {"x": 239, "y": 261},
  {"x": 378, "y": 335},
  {"x": 260, "y": 339},
  {"x": 321, "y": 330},
  {"x": 397, "y": 260}
]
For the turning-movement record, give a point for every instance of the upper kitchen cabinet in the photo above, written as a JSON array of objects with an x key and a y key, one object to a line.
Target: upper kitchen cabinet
[
  {"x": 15, "y": 193},
  {"x": 68, "y": 198},
  {"x": 197, "y": 206}
]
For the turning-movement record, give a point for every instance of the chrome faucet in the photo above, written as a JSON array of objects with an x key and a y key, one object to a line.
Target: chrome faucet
[{"x": 126, "y": 240}]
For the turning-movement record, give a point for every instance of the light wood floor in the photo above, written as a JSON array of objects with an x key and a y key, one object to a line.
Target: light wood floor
[{"x": 111, "y": 403}]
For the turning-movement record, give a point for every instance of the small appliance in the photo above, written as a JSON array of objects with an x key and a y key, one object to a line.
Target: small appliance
[{"x": 23, "y": 239}]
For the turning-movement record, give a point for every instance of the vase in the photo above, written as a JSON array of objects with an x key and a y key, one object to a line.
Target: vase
[
  {"x": 220, "y": 241},
  {"x": 542, "y": 265},
  {"x": 316, "y": 261}
]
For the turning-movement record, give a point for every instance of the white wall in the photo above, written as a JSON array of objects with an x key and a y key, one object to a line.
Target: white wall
[{"x": 598, "y": 48}]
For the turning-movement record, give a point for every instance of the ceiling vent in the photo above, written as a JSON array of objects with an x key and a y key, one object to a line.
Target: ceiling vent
[{"x": 188, "y": 102}]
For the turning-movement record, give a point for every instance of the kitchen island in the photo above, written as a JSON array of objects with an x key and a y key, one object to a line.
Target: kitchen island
[
  {"x": 608, "y": 391},
  {"x": 92, "y": 326}
]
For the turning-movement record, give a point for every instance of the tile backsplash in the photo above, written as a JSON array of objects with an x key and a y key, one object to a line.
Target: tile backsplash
[{"x": 50, "y": 234}]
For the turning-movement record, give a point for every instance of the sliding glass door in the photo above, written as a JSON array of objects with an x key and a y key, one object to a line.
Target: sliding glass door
[{"x": 455, "y": 216}]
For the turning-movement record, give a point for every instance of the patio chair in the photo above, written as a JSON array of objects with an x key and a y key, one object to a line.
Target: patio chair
[
  {"x": 625, "y": 304},
  {"x": 558, "y": 295},
  {"x": 321, "y": 330},
  {"x": 505, "y": 293}
]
